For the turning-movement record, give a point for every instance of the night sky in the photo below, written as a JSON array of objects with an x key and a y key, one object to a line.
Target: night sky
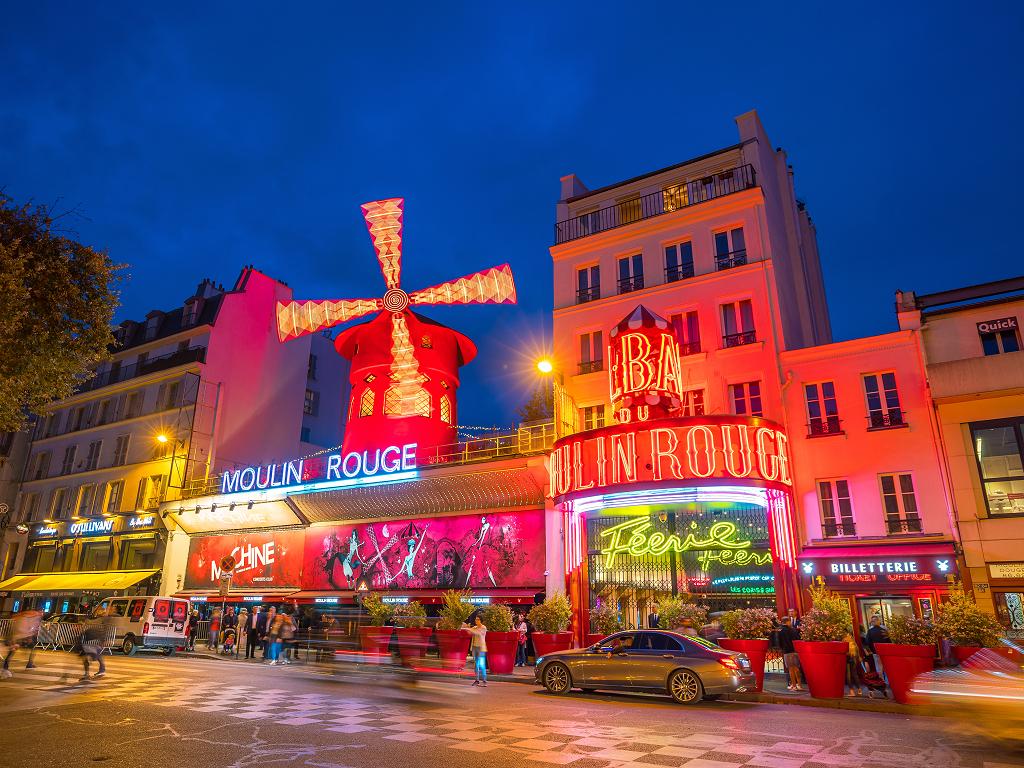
[{"x": 195, "y": 139}]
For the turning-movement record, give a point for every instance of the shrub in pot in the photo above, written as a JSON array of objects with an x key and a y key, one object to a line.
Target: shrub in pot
[
  {"x": 965, "y": 625},
  {"x": 375, "y": 637},
  {"x": 605, "y": 620},
  {"x": 501, "y": 640},
  {"x": 412, "y": 630},
  {"x": 821, "y": 647},
  {"x": 747, "y": 631},
  {"x": 681, "y": 613},
  {"x": 452, "y": 641},
  {"x": 550, "y": 621},
  {"x": 911, "y": 653}
]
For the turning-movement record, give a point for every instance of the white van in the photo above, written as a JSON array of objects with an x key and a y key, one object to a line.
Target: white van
[{"x": 147, "y": 622}]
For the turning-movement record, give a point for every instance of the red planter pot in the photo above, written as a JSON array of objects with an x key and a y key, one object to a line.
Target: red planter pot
[
  {"x": 963, "y": 652},
  {"x": 412, "y": 643},
  {"x": 544, "y": 643},
  {"x": 593, "y": 638},
  {"x": 452, "y": 647},
  {"x": 902, "y": 663},
  {"x": 374, "y": 640},
  {"x": 824, "y": 666},
  {"x": 501, "y": 652},
  {"x": 756, "y": 651}
]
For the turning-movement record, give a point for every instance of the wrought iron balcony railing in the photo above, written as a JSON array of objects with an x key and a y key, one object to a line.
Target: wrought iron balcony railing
[
  {"x": 591, "y": 366},
  {"x": 678, "y": 272},
  {"x": 132, "y": 370},
  {"x": 907, "y": 525},
  {"x": 583, "y": 295},
  {"x": 730, "y": 260},
  {"x": 823, "y": 427},
  {"x": 739, "y": 339},
  {"x": 689, "y": 348},
  {"x": 835, "y": 530},
  {"x": 886, "y": 419},
  {"x": 630, "y": 284}
]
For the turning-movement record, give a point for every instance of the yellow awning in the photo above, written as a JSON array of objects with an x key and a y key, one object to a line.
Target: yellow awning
[{"x": 45, "y": 582}]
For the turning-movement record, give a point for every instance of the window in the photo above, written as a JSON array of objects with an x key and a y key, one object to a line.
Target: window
[
  {"x": 137, "y": 555},
  {"x": 836, "y": 510},
  {"x": 29, "y": 507},
  {"x": 746, "y": 398},
  {"x": 77, "y": 415},
  {"x": 114, "y": 374},
  {"x": 168, "y": 395},
  {"x": 40, "y": 559},
  {"x": 133, "y": 406},
  {"x": 687, "y": 330},
  {"x": 630, "y": 209},
  {"x": 591, "y": 352},
  {"x": 738, "y": 323},
  {"x": 53, "y": 424},
  {"x": 588, "y": 284},
  {"x": 998, "y": 342},
  {"x": 675, "y": 197},
  {"x": 311, "y": 404},
  {"x": 999, "y": 449},
  {"x": 446, "y": 409},
  {"x": 822, "y": 412},
  {"x": 140, "y": 362},
  {"x": 120, "y": 450},
  {"x": 191, "y": 313},
  {"x": 592, "y": 416},
  {"x": 366, "y": 403},
  {"x": 304, "y": 434},
  {"x": 631, "y": 273},
  {"x": 58, "y": 503},
  {"x": 693, "y": 402},
  {"x": 883, "y": 401},
  {"x": 86, "y": 499},
  {"x": 68, "y": 465},
  {"x": 105, "y": 413},
  {"x": 96, "y": 557},
  {"x": 182, "y": 348},
  {"x": 152, "y": 326},
  {"x": 92, "y": 459},
  {"x": 311, "y": 368},
  {"x": 115, "y": 492},
  {"x": 730, "y": 249},
  {"x": 42, "y": 467},
  {"x": 136, "y": 608},
  {"x": 150, "y": 492},
  {"x": 678, "y": 262},
  {"x": 900, "y": 504}
]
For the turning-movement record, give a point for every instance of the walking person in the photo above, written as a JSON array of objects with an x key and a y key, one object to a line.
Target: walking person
[
  {"x": 242, "y": 628},
  {"x": 520, "y": 627},
  {"x": 787, "y": 634},
  {"x": 877, "y": 635},
  {"x": 265, "y": 632},
  {"x": 479, "y": 649},
  {"x": 92, "y": 639},
  {"x": 191, "y": 630},
  {"x": 274, "y": 637},
  {"x": 22, "y": 634},
  {"x": 215, "y": 621},
  {"x": 853, "y": 676},
  {"x": 286, "y": 637},
  {"x": 252, "y": 634}
]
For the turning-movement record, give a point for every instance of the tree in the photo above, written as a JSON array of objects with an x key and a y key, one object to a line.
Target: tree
[
  {"x": 540, "y": 406},
  {"x": 57, "y": 300}
]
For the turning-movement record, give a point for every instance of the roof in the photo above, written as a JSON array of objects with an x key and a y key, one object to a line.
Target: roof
[
  {"x": 995, "y": 292},
  {"x": 170, "y": 323}
]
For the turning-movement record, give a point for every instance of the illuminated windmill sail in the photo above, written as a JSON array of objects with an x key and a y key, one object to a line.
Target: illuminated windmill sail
[{"x": 406, "y": 396}]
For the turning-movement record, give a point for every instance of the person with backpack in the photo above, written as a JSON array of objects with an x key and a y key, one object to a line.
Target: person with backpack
[{"x": 876, "y": 635}]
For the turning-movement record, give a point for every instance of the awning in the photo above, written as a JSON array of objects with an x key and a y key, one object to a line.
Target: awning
[
  {"x": 880, "y": 549},
  {"x": 102, "y": 580}
]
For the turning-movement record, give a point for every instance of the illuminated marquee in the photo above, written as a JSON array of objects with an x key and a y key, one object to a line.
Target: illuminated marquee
[
  {"x": 93, "y": 526},
  {"x": 719, "y": 545},
  {"x": 680, "y": 449},
  {"x": 644, "y": 371}
]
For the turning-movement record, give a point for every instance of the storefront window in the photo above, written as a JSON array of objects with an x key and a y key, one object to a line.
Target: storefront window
[
  {"x": 885, "y": 608},
  {"x": 999, "y": 450},
  {"x": 40, "y": 559},
  {"x": 95, "y": 557},
  {"x": 1010, "y": 611},
  {"x": 137, "y": 555}
]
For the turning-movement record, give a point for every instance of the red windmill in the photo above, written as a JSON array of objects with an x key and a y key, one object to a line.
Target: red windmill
[{"x": 404, "y": 365}]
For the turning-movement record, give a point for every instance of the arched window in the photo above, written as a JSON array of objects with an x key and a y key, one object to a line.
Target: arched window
[
  {"x": 366, "y": 403},
  {"x": 446, "y": 409},
  {"x": 392, "y": 402}
]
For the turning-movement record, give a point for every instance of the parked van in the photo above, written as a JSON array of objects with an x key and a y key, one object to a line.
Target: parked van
[{"x": 147, "y": 622}]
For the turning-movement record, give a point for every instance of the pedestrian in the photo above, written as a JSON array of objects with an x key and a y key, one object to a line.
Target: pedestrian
[
  {"x": 853, "y": 676},
  {"x": 787, "y": 634},
  {"x": 877, "y": 635},
  {"x": 265, "y": 632},
  {"x": 252, "y": 635},
  {"x": 214, "y": 629},
  {"x": 520, "y": 627},
  {"x": 479, "y": 649},
  {"x": 652, "y": 617},
  {"x": 242, "y": 628},
  {"x": 274, "y": 637},
  {"x": 286, "y": 636},
  {"x": 191, "y": 630},
  {"x": 21, "y": 633},
  {"x": 92, "y": 639},
  {"x": 794, "y": 619},
  {"x": 531, "y": 651}
]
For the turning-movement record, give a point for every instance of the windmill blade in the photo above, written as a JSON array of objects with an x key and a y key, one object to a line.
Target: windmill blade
[
  {"x": 490, "y": 286},
  {"x": 298, "y": 318},
  {"x": 406, "y": 397},
  {"x": 384, "y": 221}
]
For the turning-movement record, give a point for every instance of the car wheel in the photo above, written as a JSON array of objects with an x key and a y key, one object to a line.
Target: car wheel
[
  {"x": 685, "y": 687},
  {"x": 557, "y": 679},
  {"x": 168, "y": 651},
  {"x": 128, "y": 646}
]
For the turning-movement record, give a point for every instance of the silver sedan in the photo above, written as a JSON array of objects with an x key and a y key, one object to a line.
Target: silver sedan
[{"x": 686, "y": 668}]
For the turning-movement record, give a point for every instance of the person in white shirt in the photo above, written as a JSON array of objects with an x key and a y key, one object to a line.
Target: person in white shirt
[{"x": 479, "y": 648}]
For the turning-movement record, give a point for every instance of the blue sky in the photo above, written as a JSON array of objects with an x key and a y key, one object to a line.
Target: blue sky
[{"x": 197, "y": 138}]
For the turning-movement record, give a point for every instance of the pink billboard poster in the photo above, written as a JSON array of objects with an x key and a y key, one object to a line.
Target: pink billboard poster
[
  {"x": 482, "y": 551},
  {"x": 264, "y": 559}
]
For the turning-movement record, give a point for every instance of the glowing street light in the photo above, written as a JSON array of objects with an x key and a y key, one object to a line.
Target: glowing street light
[
  {"x": 545, "y": 366},
  {"x": 161, "y": 438}
]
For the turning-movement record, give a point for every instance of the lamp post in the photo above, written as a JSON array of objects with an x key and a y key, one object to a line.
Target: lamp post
[{"x": 563, "y": 408}]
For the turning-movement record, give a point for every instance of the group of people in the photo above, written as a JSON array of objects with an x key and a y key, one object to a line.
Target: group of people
[{"x": 270, "y": 631}]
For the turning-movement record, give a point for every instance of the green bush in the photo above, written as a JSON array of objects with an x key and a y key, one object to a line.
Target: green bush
[
  {"x": 411, "y": 614},
  {"x": 497, "y": 618},
  {"x": 455, "y": 609},
  {"x": 381, "y": 613},
  {"x": 552, "y": 616},
  {"x": 675, "y": 611},
  {"x": 964, "y": 623},
  {"x": 748, "y": 623},
  {"x": 829, "y": 619},
  {"x": 605, "y": 619},
  {"x": 907, "y": 630}
]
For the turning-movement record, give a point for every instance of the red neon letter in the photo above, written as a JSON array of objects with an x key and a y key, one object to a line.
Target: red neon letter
[
  {"x": 624, "y": 458},
  {"x": 708, "y": 449},
  {"x": 668, "y": 366},
  {"x": 730, "y": 451},
  {"x": 637, "y": 369},
  {"x": 783, "y": 443},
  {"x": 577, "y": 468},
  {"x": 767, "y": 463},
  {"x": 667, "y": 452}
]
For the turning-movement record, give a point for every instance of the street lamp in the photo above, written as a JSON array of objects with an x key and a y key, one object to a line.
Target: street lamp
[
  {"x": 545, "y": 366},
  {"x": 161, "y": 438}
]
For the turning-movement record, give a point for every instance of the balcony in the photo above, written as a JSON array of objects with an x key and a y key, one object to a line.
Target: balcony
[
  {"x": 689, "y": 348},
  {"x": 731, "y": 259},
  {"x": 836, "y": 530},
  {"x": 162, "y": 363},
  {"x": 739, "y": 339},
  {"x": 590, "y": 366},
  {"x": 630, "y": 284},
  {"x": 583, "y": 295},
  {"x": 910, "y": 525},
  {"x": 656, "y": 204},
  {"x": 892, "y": 419},
  {"x": 824, "y": 427},
  {"x": 678, "y": 272}
]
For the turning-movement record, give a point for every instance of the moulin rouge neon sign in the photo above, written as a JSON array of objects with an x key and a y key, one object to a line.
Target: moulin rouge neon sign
[
  {"x": 722, "y": 447},
  {"x": 719, "y": 545}
]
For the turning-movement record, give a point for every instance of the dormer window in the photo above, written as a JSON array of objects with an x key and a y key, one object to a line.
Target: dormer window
[
  {"x": 153, "y": 325},
  {"x": 191, "y": 313}
]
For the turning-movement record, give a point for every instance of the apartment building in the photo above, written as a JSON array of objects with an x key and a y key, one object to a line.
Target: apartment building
[
  {"x": 188, "y": 392},
  {"x": 971, "y": 344}
]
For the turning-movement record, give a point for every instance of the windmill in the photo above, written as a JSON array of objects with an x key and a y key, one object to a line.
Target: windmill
[{"x": 404, "y": 369}]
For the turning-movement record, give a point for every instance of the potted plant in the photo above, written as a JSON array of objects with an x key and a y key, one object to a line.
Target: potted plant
[
  {"x": 821, "y": 647},
  {"x": 412, "y": 630},
  {"x": 911, "y": 653},
  {"x": 747, "y": 631},
  {"x": 452, "y": 641},
  {"x": 965, "y": 625},
  {"x": 550, "y": 620},
  {"x": 375, "y": 636},
  {"x": 680, "y": 613},
  {"x": 502, "y": 641},
  {"x": 605, "y": 619}
]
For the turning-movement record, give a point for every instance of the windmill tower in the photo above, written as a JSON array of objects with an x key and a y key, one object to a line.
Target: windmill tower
[{"x": 405, "y": 367}]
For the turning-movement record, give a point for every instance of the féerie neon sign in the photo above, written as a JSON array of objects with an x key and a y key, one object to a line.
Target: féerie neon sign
[{"x": 634, "y": 537}]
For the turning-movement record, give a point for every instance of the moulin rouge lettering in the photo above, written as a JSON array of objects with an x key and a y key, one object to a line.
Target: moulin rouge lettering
[{"x": 719, "y": 545}]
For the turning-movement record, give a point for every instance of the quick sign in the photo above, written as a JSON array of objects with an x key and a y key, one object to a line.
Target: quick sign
[
  {"x": 866, "y": 571},
  {"x": 994, "y": 326},
  {"x": 91, "y": 527}
]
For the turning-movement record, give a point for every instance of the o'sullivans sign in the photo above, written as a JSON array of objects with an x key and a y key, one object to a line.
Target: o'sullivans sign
[{"x": 670, "y": 450}]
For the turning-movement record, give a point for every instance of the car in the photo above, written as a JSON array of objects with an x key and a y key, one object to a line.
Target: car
[
  {"x": 688, "y": 669},
  {"x": 65, "y": 618}
]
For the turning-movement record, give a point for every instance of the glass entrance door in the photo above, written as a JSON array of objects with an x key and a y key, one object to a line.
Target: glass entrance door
[{"x": 884, "y": 607}]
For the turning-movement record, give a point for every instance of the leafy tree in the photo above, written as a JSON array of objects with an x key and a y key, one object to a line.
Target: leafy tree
[
  {"x": 540, "y": 406},
  {"x": 57, "y": 300}
]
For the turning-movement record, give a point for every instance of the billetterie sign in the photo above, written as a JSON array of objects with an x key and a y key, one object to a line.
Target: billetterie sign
[
  {"x": 336, "y": 466},
  {"x": 670, "y": 450}
]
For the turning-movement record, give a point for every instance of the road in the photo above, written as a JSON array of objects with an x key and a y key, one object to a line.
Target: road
[{"x": 150, "y": 712}]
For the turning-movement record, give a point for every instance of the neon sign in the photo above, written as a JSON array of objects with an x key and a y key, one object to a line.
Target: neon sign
[
  {"x": 46, "y": 531},
  {"x": 881, "y": 570},
  {"x": 140, "y": 522},
  {"x": 93, "y": 526},
  {"x": 634, "y": 537},
  {"x": 644, "y": 375}
]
